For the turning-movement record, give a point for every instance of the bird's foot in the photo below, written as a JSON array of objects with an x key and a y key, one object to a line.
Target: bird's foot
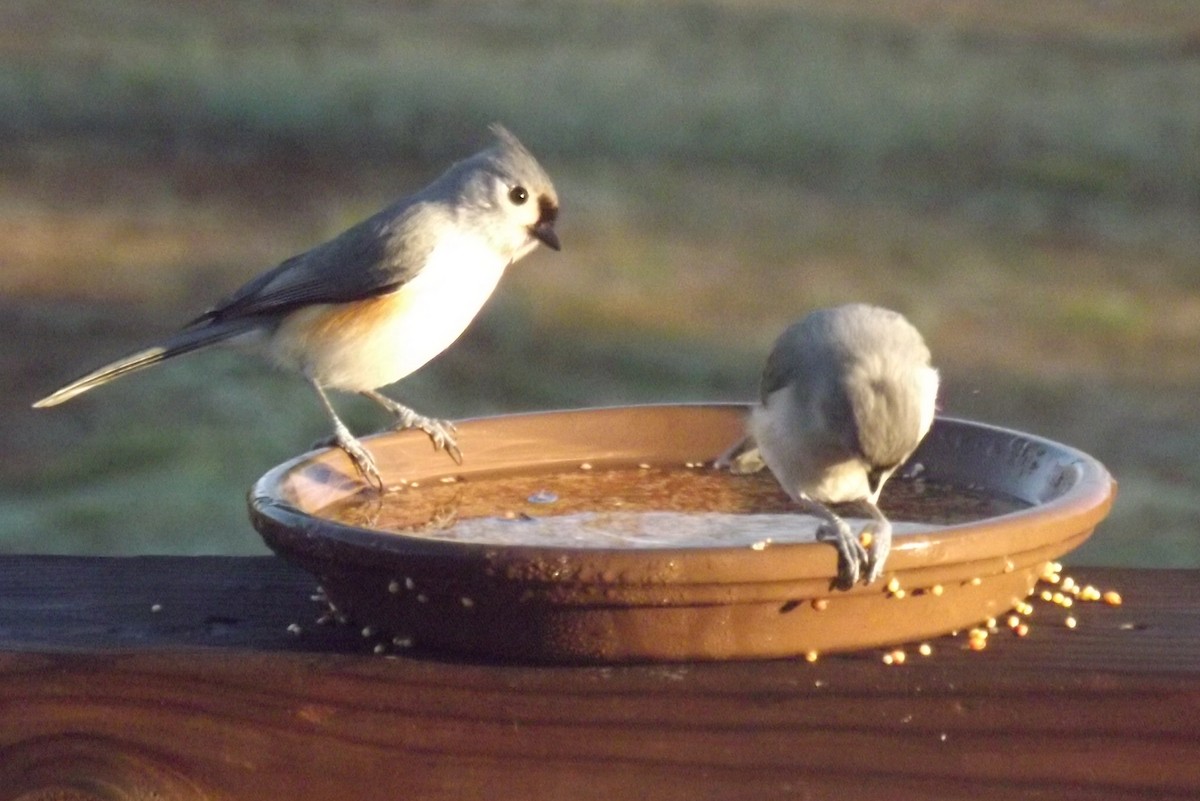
[
  {"x": 742, "y": 459},
  {"x": 878, "y": 550},
  {"x": 852, "y": 556},
  {"x": 363, "y": 461},
  {"x": 440, "y": 431}
]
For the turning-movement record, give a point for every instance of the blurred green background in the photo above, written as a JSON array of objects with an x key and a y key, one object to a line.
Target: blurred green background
[{"x": 1022, "y": 179}]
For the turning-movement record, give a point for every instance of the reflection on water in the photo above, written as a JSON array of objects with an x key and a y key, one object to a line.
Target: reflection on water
[{"x": 637, "y": 507}]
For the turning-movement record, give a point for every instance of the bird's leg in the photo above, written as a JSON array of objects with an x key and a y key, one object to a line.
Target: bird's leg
[
  {"x": 359, "y": 455},
  {"x": 440, "y": 431},
  {"x": 742, "y": 458},
  {"x": 881, "y": 542},
  {"x": 852, "y": 556}
]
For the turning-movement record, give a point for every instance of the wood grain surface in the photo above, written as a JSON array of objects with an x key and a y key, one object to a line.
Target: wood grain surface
[{"x": 178, "y": 677}]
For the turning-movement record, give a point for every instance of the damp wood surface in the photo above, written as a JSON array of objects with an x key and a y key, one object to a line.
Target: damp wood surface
[{"x": 178, "y": 677}]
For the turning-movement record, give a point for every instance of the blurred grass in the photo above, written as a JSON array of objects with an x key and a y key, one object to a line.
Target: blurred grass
[{"x": 1019, "y": 178}]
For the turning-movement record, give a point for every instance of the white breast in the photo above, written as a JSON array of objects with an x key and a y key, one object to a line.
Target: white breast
[{"x": 369, "y": 344}]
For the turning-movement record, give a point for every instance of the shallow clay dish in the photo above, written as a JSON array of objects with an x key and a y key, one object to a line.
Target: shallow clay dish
[{"x": 573, "y": 604}]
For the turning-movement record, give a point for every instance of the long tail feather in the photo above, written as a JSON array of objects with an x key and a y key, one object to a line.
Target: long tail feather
[{"x": 185, "y": 341}]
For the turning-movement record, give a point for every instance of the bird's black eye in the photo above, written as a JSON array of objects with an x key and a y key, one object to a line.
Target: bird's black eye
[{"x": 518, "y": 195}]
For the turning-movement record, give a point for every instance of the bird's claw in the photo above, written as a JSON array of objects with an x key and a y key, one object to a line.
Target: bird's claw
[
  {"x": 364, "y": 463},
  {"x": 852, "y": 556},
  {"x": 440, "y": 431},
  {"x": 877, "y": 553}
]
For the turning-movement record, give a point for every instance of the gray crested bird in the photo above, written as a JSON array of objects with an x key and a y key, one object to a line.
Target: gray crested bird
[
  {"x": 847, "y": 395},
  {"x": 381, "y": 299}
]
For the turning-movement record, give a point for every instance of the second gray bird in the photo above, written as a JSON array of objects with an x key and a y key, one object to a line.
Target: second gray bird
[
  {"x": 375, "y": 303},
  {"x": 847, "y": 395}
]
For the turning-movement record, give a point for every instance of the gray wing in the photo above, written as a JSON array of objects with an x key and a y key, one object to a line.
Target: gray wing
[{"x": 375, "y": 257}]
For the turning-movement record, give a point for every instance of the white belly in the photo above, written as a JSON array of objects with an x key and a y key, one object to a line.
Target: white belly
[{"x": 369, "y": 344}]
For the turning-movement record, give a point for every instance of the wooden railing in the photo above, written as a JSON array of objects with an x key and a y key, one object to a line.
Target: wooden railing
[{"x": 185, "y": 678}]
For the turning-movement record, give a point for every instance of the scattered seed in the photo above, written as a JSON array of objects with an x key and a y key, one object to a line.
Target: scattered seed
[
  {"x": 1013, "y": 621},
  {"x": 448, "y": 479},
  {"x": 937, "y": 589},
  {"x": 415, "y": 484},
  {"x": 1022, "y": 629},
  {"x": 409, "y": 584},
  {"x": 467, "y": 602},
  {"x": 925, "y": 649},
  {"x": 402, "y": 642},
  {"x": 975, "y": 582},
  {"x": 977, "y": 644},
  {"x": 899, "y": 594},
  {"x": 393, "y": 587},
  {"x": 898, "y": 657},
  {"x": 888, "y": 659},
  {"x": 893, "y": 584},
  {"x": 1068, "y": 584},
  {"x": 1047, "y": 595},
  {"x": 422, "y": 598},
  {"x": 585, "y": 466},
  {"x": 1112, "y": 598},
  {"x": 368, "y": 631},
  {"x": 294, "y": 628},
  {"x": 643, "y": 466},
  {"x": 866, "y": 538},
  {"x": 379, "y": 648},
  {"x": 990, "y": 623},
  {"x": 156, "y": 608},
  {"x": 1070, "y": 622},
  {"x": 761, "y": 545},
  {"x": 1090, "y": 593},
  {"x": 811, "y": 656},
  {"x": 820, "y": 604}
]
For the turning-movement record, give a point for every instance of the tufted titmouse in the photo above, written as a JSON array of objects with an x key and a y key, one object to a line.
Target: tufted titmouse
[
  {"x": 381, "y": 299},
  {"x": 847, "y": 395}
]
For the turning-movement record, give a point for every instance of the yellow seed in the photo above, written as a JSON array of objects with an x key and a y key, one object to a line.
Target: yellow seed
[
  {"x": 1112, "y": 598},
  {"x": 1013, "y": 621},
  {"x": 899, "y": 594},
  {"x": 866, "y": 538},
  {"x": 899, "y": 656},
  {"x": 1022, "y": 629},
  {"x": 990, "y": 623},
  {"x": 893, "y": 584},
  {"x": 978, "y": 634},
  {"x": 1057, "y": 598},
  {"x": 1089, "y": 593},
  {"x": 585, "y": 466},
  {"x": 1070, "y": 622},
  {"x": 975, "y": 582},
  {"x": 977, "y": 644},
  {"x": 937, "y": 589},
  {"x": 925, "y": 649},
  {"x": 820, "y": 604},
  {"x": 1068, "y": 584},
  {"x": 811, "y": 656},
  {"x": 888, "y": 659},
  {"x": 1047, "y": 595},
  {"x": 1067, "y": 602}
]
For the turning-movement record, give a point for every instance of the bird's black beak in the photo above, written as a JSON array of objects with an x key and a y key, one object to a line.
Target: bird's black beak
[{"x": 543, "y": 229}]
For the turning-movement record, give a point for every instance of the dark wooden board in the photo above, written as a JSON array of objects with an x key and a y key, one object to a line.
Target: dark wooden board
[{"x": 212, "y": 697}]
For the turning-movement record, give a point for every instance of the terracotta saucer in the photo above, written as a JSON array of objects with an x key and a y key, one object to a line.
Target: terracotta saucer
[{"x": 572, "y": 604}]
